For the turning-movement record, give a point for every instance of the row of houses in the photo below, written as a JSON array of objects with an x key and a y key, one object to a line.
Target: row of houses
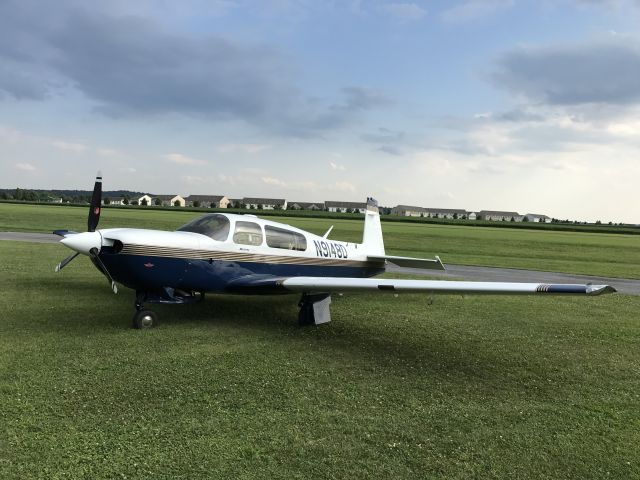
[
  {"x": 221, "y": 201},
  {"x": 452, "y": 213}
]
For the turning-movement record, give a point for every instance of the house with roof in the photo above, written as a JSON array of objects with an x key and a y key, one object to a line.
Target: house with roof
[
  {"x": 356, "y": 207},
  {"x": 264, "y": 203},
  {"x": 305, "y": 206},
  {"x": 446, "y": 213},
  {"x": 144, "y": 200},
  {"x": 171, "y": 200},
  {"x": 498, "y": 216},
  {"x": 411, "y": 211},
  {"x": 534, "y": 217},
  {"x": 408, "y": 211},
  {"x": 113, "y": 201},
  {"x": 207, "y": 201}
]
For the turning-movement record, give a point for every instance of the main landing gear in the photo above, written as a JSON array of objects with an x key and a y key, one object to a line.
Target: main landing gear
[{"x": 314, "y": 309}]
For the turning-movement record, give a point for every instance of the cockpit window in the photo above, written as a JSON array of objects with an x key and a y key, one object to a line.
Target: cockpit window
[
  {"x": 212, "y": 225},
  {"x": 247, "y": 233}
]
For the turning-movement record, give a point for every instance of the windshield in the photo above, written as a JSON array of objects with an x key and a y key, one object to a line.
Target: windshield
[{"x": 212, "y": 225}]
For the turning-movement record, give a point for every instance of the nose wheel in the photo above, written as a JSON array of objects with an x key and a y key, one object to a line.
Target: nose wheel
[{"x": 144, "y": 319}]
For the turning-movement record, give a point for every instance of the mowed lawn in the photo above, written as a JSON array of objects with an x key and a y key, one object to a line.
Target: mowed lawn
[
  {"x": 476, "y": 387},
  {"x": 613, "y": 255}
]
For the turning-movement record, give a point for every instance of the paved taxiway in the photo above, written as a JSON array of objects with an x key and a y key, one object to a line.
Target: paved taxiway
[{"x": 466, "y": 272}]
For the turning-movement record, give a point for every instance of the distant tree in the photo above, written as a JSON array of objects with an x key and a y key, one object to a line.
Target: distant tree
[
  {"x": 260, "y": 207},
  {"x": 196, "y": 203},
  {"x": 525, "y": 219},
  {"x": 106, "y": 201},
  {"x": 348, "y": 210},
  {"x": 144, "y": 202},
  {"x": 125, "y": 201},
  {"x": 422, "y": 215},
  {"x": 598, "y": 222},
  {"x": 157, "y": 202},
  {"x": 464, "y": 217},
  {"x": 251, "y": 206},
  {"x": 513, "y": 219},
  {"x": 435, "y": 215},
  {"x": 455, "y": 216}
]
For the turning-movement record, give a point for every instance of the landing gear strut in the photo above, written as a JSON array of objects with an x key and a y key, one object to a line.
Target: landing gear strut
[
  {"x": 314, "y": 309},
  {"x": 143, "y": 318}
]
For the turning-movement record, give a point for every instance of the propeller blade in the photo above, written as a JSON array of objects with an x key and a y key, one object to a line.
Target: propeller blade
[
  {"x": 94, "y": 208},
  {"x": 96, "y": 260},
  {"x": 64, "y": 262}
]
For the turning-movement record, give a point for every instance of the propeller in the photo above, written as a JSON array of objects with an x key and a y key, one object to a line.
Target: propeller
[
  {"x": 96, "y": 261},
  {"x": 94, "y": 207},
  {"x": 89, "y": 242},
  {"x": 64, "y": 262}
]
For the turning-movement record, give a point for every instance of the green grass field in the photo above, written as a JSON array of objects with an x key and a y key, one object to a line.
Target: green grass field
[
  {"x": 477, "y": 387},
  {"x": 614, "y": 255}
]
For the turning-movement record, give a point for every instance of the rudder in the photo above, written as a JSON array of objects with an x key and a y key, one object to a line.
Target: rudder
[{"x": 372, "y": 241}]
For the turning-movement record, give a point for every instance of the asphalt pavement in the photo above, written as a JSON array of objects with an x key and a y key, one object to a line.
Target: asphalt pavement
[{"x": 465, "y": 272}]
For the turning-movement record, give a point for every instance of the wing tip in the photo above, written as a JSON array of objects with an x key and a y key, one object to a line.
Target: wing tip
[{"x": 600, "y": 289}]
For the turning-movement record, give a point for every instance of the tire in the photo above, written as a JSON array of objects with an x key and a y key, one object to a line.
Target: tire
[{"x": 145, "y": 319}]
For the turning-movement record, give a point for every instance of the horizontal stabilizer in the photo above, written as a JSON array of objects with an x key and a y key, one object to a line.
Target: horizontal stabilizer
[
  {"x": 64, "y": 233},
  {"x": 409, "y": 262}
]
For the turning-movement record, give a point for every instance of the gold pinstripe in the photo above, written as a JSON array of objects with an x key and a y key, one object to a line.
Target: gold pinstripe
[{"x": 154, "y": 251}]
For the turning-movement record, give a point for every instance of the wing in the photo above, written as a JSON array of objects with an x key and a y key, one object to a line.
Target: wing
[
  {"x": 253, "y": 284},
  {"x": 331, "y": 284}
]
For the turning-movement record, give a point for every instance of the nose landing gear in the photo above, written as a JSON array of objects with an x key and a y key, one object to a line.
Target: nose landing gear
[
  {"x": 147, "y": 318},
  {"x": 144, "y": 319}
]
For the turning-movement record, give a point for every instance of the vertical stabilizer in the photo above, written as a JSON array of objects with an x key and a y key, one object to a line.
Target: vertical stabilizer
[{"x": 372, "y": 238}]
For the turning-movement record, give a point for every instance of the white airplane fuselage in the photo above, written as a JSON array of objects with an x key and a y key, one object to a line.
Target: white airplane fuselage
[{"x": 150, "y": 260}]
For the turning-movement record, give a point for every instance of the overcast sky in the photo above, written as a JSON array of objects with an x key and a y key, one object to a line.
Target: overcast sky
[{"x": 531, "y": 106}]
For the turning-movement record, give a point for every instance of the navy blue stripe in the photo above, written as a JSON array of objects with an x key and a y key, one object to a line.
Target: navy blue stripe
[
  {"x": 152, "y": 273},
  {"x": 567, "y": 289}
]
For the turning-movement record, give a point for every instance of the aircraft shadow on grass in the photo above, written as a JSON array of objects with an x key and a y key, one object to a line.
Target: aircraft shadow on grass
[{"x": 432, "y": 355}]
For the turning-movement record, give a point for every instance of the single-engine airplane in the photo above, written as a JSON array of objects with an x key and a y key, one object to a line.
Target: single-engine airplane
[{"x": 244, "y": 254}]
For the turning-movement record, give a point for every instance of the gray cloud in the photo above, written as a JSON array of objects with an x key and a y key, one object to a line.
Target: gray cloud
[
  {"x": 573, "y": 75},
  {"x": 384, "y": 135},
  {"x": 390, "y": 150},
  {"x": 130, "y": 66},
  {"x": 518, "y": 116},
  {"x": 472, "y": 10}
]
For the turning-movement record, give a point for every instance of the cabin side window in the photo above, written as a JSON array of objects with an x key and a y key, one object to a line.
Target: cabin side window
[
  {"x": 286, "y": 239},
  {"x": 247, "y": 233}
]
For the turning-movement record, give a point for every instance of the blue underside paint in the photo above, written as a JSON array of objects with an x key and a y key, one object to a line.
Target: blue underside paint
[{"x": 147, "y": 273}]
